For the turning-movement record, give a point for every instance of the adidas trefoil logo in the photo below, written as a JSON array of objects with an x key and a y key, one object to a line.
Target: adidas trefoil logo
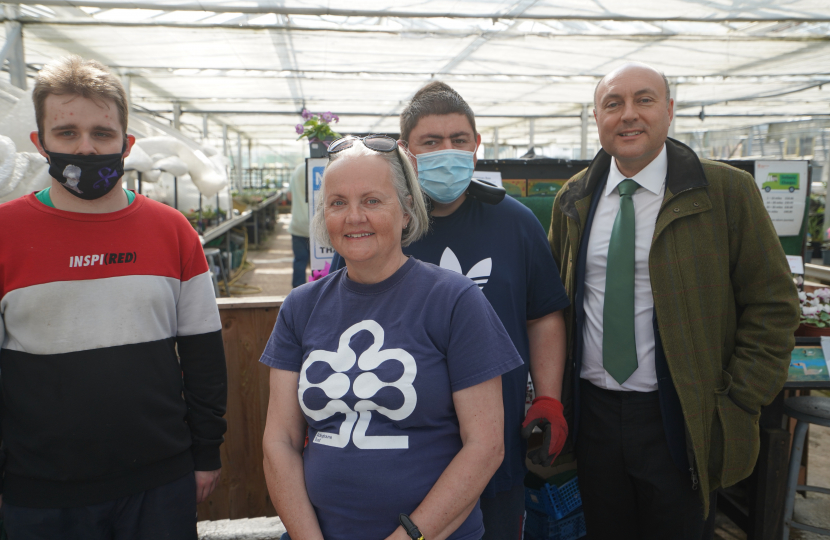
[{"x": 479, "y": 273}]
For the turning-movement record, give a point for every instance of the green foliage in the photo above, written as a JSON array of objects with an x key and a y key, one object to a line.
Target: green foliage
[
  {"x": 316, "y": 127},
  {"x": 815, "y": 220}
]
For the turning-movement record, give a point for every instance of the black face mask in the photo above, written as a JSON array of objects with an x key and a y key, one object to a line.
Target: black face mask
[{"x": 86, "y": 177}]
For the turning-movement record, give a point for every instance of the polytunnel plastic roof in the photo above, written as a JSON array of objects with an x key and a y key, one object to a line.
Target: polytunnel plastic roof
[{"x": 255, "y": 65}]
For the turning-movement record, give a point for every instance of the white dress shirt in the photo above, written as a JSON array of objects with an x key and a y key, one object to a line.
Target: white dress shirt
[{"x": 647, "y": 200}]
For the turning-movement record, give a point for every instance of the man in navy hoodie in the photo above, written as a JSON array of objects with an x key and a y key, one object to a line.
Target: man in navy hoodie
[{"x": 504, "y": 249}]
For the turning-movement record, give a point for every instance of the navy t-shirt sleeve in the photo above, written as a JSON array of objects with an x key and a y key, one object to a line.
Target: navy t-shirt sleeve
[
  {"x": 545, "y": 292},
  {"x": 479, "y": 347},
  {"x": 283, "y": 350}
]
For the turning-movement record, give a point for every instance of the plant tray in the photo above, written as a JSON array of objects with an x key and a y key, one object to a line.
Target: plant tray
[
  {"x": 539, "y": 526},
  {"x": 555, "y": 501}
]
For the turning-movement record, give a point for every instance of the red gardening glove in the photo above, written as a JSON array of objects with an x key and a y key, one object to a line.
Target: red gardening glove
[{"x": 546, "y": 412}]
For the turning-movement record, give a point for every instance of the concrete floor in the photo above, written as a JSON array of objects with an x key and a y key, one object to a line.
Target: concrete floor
[
  {"x": 815, "y": 508},
  {"x": 272, "y": 274},
  {"x": 272, "y": 263}
]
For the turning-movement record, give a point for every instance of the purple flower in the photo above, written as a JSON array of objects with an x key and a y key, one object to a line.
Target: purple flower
[
  {"x": 337, "y": 119},
  {"x": 326, "y": 116},
  {"x": 299, "y": 129},
  {"x": 306, "y": 114}
]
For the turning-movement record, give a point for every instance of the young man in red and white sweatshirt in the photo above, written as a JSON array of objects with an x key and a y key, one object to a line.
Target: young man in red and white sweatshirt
[{"x": 112, "y": 367}]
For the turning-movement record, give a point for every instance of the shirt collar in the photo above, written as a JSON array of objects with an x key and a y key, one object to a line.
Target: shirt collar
[{"x": 653, "y": 177}]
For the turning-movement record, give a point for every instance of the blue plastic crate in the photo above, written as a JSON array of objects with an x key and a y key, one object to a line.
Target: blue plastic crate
[
  {"x": 539, "y": 526},
  {"x": 557, "y": 502}
]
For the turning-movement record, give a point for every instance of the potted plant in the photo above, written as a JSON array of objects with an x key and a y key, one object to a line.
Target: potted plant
[
  {"x": 815, "y": 313},
  {"x": 209, "y": 217},
  {"x": 317, "y": 130},
  {"x": 815, "y": 226}
]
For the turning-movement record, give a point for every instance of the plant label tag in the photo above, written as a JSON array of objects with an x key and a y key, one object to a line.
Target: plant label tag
[{"x": 796, "y": 264}]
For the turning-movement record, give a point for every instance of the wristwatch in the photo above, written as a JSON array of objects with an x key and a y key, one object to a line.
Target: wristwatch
[{"x": 410, "y": 528}]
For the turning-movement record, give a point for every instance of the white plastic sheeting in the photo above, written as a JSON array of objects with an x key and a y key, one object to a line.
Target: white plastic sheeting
[
  {"x": 17, "y": 116},
  {"x": 179, "y": 159},
  {"x": 23, "y": 172},
  {"x": 20, "y": 173},
  {"x": 254, "y": 65},
  {"x": 182, "y": 192},
  {"x": 138, "y": 160}
]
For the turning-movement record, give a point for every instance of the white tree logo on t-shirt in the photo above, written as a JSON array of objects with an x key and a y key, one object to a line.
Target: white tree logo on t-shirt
[
  {"x": 480, "y": 272},
  {"x": 365, "y": 386}
]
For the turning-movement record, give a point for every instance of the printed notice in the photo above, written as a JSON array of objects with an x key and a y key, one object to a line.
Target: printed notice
[
  {"x": 494, "y": 177},
  {"x": 809, "y": 364},
  {"x": 320, "y": 255},
  {"x": 796, "y": 264},
  {"x": 783, "y": 186}
]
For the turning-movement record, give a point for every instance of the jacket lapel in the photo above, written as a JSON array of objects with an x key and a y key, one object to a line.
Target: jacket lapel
[
  {"x": 584, "y": 187},
  {"x": 685, "y": 187}
]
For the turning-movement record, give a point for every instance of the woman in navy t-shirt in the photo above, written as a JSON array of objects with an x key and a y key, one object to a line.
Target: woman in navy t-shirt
[{"x": 391, "y": 366}]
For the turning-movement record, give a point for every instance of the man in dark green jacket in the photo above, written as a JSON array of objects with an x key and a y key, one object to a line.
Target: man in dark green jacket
[{"x": 681, "y": 320}]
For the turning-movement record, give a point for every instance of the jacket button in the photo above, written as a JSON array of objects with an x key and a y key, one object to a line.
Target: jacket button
[
  {"x": 676, "y": 210},
  {"x": 696, "y": 204}
]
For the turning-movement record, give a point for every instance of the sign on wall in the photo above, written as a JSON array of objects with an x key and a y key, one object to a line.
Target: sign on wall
[
  {"x": 320, "y": 255},
  {"x": 783, "y": 186}
]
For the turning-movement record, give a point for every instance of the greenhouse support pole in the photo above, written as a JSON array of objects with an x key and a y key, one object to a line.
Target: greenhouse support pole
[
  {"x": 531, "y": 128},
  {"x": 825, "y": 173},
  {"x": 126, "y": 81},
  {"x": 204, "y": 126},
  {"x": 176, "y": 192},
  {"x": 226, "y": 153},
  {"x": 495, "y": 143},
  {"x": 583, "y": 141},
  {"x": 13, "y": 30},
  {"x": 239, "y": 162},
  {"x": 230, "y": 257},
  {"x": 13, "y": 52},
  {"x": 177, "y": 115}
]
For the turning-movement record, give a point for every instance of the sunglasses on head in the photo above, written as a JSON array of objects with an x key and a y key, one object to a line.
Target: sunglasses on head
[{"x": 378, "y": 143}]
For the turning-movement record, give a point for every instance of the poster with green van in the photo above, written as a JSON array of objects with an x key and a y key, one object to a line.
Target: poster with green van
[
  {"x": 783, "y": 186},
  {"x": 788, "y": 181}
]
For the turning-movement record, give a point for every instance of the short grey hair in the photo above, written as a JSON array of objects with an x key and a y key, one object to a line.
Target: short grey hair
[{"x": 405, "y": 181}]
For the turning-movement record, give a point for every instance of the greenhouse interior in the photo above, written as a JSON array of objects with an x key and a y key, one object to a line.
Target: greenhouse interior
[{"x": 221, "y": 93}]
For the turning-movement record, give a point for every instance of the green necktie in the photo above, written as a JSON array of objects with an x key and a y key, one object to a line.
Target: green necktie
[{"x": 619, "y": 350}]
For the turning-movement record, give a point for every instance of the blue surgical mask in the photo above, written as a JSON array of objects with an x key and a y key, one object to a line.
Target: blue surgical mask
[{"x": 444, "y": 175}]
